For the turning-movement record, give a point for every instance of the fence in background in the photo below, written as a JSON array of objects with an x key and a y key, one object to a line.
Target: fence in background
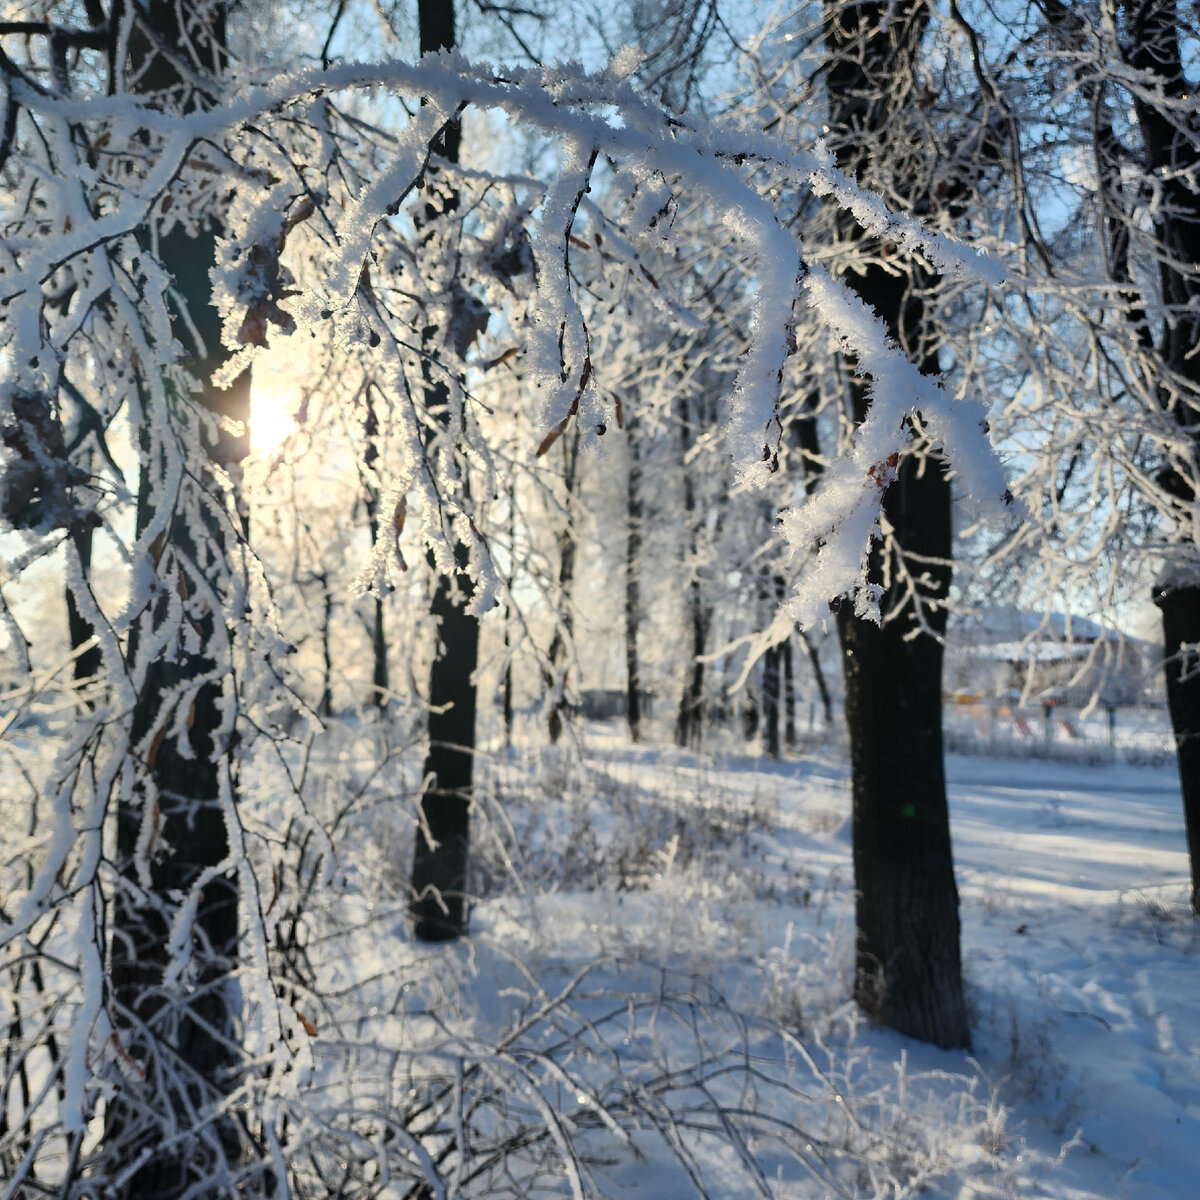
[{"x": 1138, "y": 735}]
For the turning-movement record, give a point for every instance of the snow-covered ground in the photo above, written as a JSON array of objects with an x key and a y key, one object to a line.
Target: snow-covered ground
[
  {"x": 654, "y": 998},
  {"x": 1084, "y": 967},
  {"x": 713, "y": 895}
]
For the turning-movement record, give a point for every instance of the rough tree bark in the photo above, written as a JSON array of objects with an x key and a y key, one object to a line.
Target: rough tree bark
[
  {"x": 789, "y": 696},
  {"x": 440, "y": 861},
  {"x": 689, "y": 725},
  {"x": 772, "y": 690},
  {"x": 560, "y": 644},
  {"x": 185, "y": 1038},
  {"x": 633, "y": 598},
  {"x": 909, "y": 972},
  {"x": 1171, "y": 145}
]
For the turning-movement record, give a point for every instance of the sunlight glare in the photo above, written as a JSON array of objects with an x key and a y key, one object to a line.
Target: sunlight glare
[{"x": 272, "y": 416}]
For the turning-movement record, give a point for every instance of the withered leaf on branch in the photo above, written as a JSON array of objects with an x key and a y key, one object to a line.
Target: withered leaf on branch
[
  {"x": 398, "y": 518},
  {"x": 553, "y": 436},
  {"x": 883, "y": 473},
  {"x": 267, "y": 283},
  {"x": 302, "y": 212},
  {"x": 152, "y": 753},
  {"x": 254, "y": 324},
  {"x": 561, "y": 427},
  {"x": 468, "y": 319},
  {"x": 507, "y": 356}
]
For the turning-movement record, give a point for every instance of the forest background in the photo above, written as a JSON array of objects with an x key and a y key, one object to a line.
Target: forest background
[{"x": 348, "y": 391}]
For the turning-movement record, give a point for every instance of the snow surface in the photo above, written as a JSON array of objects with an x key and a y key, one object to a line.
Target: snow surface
[
  {"x": 1082, "y": 962},
  {"x": 636, "y": 866},
  {"x": 652, "y": 924},
  {"x": 1077, "y": 939}
]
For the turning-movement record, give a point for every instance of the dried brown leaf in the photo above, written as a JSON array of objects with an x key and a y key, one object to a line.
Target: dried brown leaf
[{"x": 507, "y": 356}]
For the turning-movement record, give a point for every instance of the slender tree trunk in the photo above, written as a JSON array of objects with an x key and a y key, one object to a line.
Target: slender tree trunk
[
  {"x": 909, "y": 971},
  {"x": 185, "y": 1037},
  {"x": 380, "y": 688},
  {"x": 751, "y": 715},
  {"x": 689, "y": 725},
  {"x": 819, "y": 676},
  {"x": 379, "y": 647},
  {"x": 87, "y": 661},
  {"x": 560, "y": 644},
  {"x": 789, "y": 697},
  {"x": 770, "y": 681},
  {"x": 633, "y": 598},
  {"x": 507, "y": 700},
  {"x": 440, "y": 861},
  {"x": 770, "y": 704},
  {"x": 773, "y": 694},
  {"x": 512, "y": 573},
  {"x": 325, "y": 708}
]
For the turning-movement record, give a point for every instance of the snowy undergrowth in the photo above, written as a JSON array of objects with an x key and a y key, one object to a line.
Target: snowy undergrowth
[
  {"x": 715, "y": 894},
  {"x": 653, "y": 999}
]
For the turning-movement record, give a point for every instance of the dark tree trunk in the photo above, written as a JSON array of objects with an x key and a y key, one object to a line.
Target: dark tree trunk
[
  {"x": 1180, "y": 608},
  {"x": 909, "y": 972},
  {"x": 439, "y": 876},
  {"x": 87, "y": 661},
  {"x": 819, "y": 675},
  {"x": 379, "y": 658},
  {"x": 770, "y": 701},
  {"x": 379, "y": 647},
  {"x": 325, "y": 708},
  {"x": 507, "y": 701},
  {"x": 560, "y": 644},
  {"x": 773, "y": 684},
  {"x": 772, "y": 661},
  {"x": 689, "y": 725},
  {"x": 512, "y": 573},
  {"x": 184, "y": 1036},
  {"x": 751, "y": 716},
  {"x": 1172, "y": 159},
  {"x": 633, "y": 599},
  {"x": 789, "y": 696}
]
